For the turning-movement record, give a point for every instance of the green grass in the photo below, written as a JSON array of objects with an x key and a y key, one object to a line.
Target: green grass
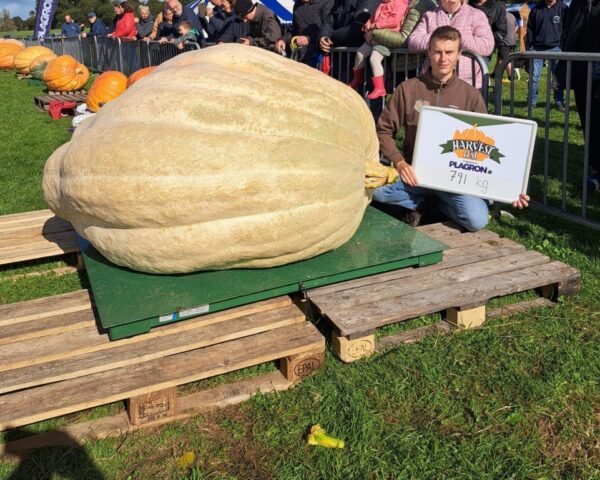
[{"x": 516, "y": 399}]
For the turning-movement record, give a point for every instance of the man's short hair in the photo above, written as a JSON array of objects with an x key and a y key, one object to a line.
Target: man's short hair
[
  {"x": 446, "y": 33},
  {"x": 186, "y": 25}
]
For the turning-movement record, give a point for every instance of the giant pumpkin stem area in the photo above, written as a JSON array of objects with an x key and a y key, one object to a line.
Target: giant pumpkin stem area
[{"x": 378, "y": 175}]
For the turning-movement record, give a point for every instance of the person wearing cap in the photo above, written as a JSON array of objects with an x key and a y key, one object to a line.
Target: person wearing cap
[
  {"x": 70, "y": 28},
  {"x": 265, "y": 29},
  {"x": 97, "y": 26},
  {"x": 123, "y": 25}
]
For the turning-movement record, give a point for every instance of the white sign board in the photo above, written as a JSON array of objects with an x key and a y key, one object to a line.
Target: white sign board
[{"x": 486, "y": 156}]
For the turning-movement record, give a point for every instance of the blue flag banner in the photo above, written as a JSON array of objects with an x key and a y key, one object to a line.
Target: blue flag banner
[
  {"x": 282, "y": 8},
  {"x": 44, "y": 16}
]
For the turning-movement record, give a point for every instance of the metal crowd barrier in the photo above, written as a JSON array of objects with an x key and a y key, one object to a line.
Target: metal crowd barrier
[
  {"x": 558, "y": 162},
  {"x": 103, "y": 53},
  {"x": 402, "y": 65},
  {"x": 155, "y": 53}
]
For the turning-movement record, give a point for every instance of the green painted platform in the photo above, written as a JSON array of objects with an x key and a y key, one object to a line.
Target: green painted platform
[{"x": 130, "y": 303}]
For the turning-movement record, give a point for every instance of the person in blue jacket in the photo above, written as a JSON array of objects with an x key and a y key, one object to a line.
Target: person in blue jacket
[
  {"x": 544, "y": 31},
  {"x": 70, "y": 28},
  {"x": 97, "y": 26}
]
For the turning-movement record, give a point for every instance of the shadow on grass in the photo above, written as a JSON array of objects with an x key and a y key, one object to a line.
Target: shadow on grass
[{"x": 58, "y": 455}]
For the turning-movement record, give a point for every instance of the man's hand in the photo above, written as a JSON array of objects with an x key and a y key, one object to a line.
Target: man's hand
[
  {"x": 279, "y": 46},
  {"x": 522, "y": 202},
  {"x": 244, "y": 41},
  {"x": 325, "y": 44},
  {"x": 110, "y": 35},
  {"x": 406, "y": 172},
  {"x": 163, "y": 40},
  {"x": 302, "y": 40}
]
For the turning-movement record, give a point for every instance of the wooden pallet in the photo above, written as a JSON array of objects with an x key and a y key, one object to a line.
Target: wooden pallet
[
  {"x": 479, "y": 266},
  {"x": 35, "y": 235},
  {"x": 42, "y": 102},
  {"x": 54, "y": 361}
]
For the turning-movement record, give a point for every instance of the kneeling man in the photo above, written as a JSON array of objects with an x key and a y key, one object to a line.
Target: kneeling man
[{"x": 438, "y": 87}]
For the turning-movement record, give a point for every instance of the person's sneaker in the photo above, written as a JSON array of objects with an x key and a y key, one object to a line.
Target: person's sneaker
[
  {"x": 412, "y": 218},
  {"x": 593, "y": 183},
  {"x": 559, "y": 106}
]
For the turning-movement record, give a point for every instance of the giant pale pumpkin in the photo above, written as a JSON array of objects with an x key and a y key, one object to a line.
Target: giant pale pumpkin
[
  {"x": 8, "y": 50},
  {"x": 38, "y": 65},
  {"x": 137, "y": 75},
  {"x": 224, "y": 157},
  {"x": 65, "y": 74},
  {"x": 24, "y": 58},
  {"x": 106, "y": 87}
]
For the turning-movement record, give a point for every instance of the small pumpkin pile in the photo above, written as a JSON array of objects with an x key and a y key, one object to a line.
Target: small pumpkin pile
[
  {"x": 8, "y": 49},
  {"x": 65, "y": 74},
  {"x": 106, "y": 87},
  {"x": 24, "y": 58}
]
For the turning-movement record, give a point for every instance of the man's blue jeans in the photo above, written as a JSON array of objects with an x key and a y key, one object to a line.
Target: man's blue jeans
[
  {"x": 538, "y": 64},
  {"x": 469, "y": 212}
]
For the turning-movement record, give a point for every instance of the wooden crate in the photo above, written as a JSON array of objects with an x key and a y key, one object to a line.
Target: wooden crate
[
  {"x": 42, "y": 102},
  {"x": 478, "y": 266},
  {"x": 35, "y": 235},
  {"x": 54, "y": 360}
]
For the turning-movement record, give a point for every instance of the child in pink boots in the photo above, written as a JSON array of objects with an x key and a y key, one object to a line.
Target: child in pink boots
[{"x": 389, "y": 15}]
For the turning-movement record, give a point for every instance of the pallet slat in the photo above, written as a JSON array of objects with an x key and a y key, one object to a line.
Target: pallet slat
[
  {"x": 23, "y": 407},
  {"x": 390, "y": 310},
  {"x": 122, "y": 355},
  {"x": 453, "y": 257},
  {"x": 421, "y": 282},
  {"x": 88, "y": 339}
]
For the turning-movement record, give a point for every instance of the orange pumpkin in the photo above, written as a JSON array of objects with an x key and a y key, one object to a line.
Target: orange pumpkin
[
  {"x": 24, "y": 58},
  {"x": 38, "y": 65},
  {"x": 13, "y": 41},
  {"x": 105, "y": 88},
  {"x": 8, "y": 50},
  {"x": 135, "y": 76},
  {"x": 65, "y": 74}
]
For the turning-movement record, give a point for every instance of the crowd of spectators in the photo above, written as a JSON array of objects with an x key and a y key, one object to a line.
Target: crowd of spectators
[{"x": 319, "y": 25}]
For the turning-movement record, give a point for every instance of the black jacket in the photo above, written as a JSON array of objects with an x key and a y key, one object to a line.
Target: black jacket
[
  {"x": 496, "y": 15},
  {"x": 167, "y": 30},
  {"x": 345, "y": 22},
  {"x": 581, "y": 30},
  {"x": 217, "y": 23},
  {"x": 545, "y": 25},
  {"x": 265, "y": 28},
  {"x": 309, "y": 17},
  {"x": 233, "y": 29}
]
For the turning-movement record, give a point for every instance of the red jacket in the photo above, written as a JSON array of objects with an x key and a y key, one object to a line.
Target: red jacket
[{"x": 125, "y": 26}]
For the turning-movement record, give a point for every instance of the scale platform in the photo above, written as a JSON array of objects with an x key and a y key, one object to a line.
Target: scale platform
[{"x": 130, "y": 303}]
